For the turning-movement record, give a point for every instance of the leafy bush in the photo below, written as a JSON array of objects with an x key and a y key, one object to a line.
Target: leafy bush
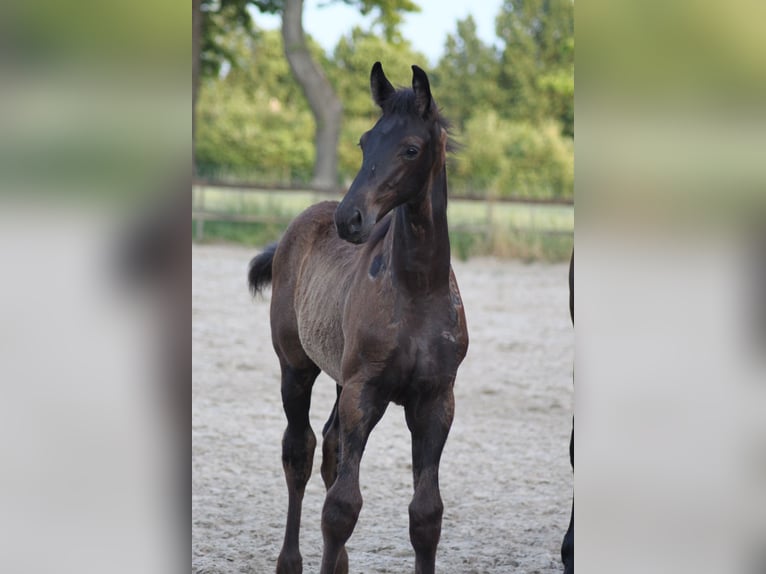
[
  {"x": 255, "y": 133},
  {"x": 518, "y": 159}
]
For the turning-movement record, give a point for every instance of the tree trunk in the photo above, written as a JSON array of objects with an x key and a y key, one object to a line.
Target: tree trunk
[
  {"x": 325, "y": 105},
  {"x": 196, "y": 49}
]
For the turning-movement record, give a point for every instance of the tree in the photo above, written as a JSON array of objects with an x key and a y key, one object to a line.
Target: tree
[
  {"x": 254, "y": 119},
  {"x": 211, "y": 20},
  {"x": 466, "y": 77},
  {"x": 325, "y": 105},
  {"x": 537, "y": 64}
]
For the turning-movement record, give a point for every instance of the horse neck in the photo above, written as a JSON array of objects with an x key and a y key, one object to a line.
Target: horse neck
[{"x": 420, "y": 251}]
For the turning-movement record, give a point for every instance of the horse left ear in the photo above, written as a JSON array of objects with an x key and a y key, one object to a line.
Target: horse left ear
[
  {"x": 422, "y": 91},
  {"x": 380, "y": 87}
]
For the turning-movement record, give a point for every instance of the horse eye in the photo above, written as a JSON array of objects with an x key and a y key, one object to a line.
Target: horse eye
[{"x": 411, "y": 152}]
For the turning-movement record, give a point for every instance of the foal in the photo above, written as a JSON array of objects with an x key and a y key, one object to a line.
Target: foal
[{"x": 364, "y": 291}]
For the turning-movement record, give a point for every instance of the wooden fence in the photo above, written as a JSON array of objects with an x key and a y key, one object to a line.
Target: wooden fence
[{"x": 201, "y": 213}]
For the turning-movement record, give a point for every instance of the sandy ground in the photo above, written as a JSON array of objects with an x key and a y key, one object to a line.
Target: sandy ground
[{"x": 505, "y": 476}]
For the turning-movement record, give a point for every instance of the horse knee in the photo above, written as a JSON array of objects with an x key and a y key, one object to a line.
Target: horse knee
[
  {"x": 341, "y": 511},
  {"x": 298, "y": 455},
  {"x": 426, "y": 510}
]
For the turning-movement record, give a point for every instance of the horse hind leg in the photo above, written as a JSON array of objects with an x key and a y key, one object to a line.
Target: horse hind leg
[
  {"x": 298, "y": 444},
  {"x": 567, "y": 546},
  {"x": 429, "y": 419},
  {"x": 330, "y": 454}
]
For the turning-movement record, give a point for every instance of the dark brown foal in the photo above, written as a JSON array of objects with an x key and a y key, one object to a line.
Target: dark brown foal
[
  {"x": 567, "y": 545},
  {"x": 364, "y": 291}
]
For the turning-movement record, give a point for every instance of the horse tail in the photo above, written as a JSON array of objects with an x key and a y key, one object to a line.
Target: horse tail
[{"x": 259, "y": 274}]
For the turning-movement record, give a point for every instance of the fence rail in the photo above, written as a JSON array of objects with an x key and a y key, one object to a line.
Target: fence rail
[
  {"x": 262, "y": 187},
  {"x": 201, "y": 213}
]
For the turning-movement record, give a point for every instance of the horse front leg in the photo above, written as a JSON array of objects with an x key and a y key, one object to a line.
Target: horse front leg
[
  {"x": 330, "y": 455},
  {"x": 359, "y": 410},
  {"x": 429, "y": 419},
  {"x": 298, "y": 445}
]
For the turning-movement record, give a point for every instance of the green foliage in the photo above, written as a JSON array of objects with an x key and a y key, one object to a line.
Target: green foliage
[
  {"x": 530, "y": 246},
  {"x": 514, "y": 159},
  {"x": 221, "y": 18},
  {"x": 466, "y": 77},
  {"x": 513, "y": 111},
  {"x": 255, "y": 119},
  {"x": 512, "y": 108},
  {"x": 463, "y": 244},
  {"x": 540, "y": 162},
  {"x": 257, "y": 234},
  {"x": 537, "y": 65},
  {"x": 390, "y": 14}
]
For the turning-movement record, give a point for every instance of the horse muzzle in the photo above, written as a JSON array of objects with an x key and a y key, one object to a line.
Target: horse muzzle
[{"x": 351, "y": 225}]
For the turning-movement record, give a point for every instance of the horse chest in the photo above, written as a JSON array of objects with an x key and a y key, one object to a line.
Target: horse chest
[
  {"x": 435, "y": 351},
  {"x": 420, "y": 350}
]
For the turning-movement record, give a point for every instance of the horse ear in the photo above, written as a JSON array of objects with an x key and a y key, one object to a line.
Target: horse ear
[
  {"x": 422, "y": 91},
  {"x": 380, "y": 87}
]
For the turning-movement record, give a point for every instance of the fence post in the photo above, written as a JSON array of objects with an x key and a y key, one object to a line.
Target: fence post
[
  {"x": 490, "y": 217},
  {"x": 200, "y": 228}
]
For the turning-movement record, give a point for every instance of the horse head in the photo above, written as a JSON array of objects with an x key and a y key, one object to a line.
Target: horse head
[{"x": 399, "y": 154}]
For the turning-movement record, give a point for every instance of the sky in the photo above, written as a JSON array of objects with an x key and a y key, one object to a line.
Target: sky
[{"x": 426, "y": 30}]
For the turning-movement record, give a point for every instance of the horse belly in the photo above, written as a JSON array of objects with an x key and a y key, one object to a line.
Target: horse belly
[{"x": 321, "y": 334}]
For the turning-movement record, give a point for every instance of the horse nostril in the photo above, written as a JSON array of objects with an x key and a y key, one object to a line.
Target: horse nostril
[{"x": 355, "y": 223}]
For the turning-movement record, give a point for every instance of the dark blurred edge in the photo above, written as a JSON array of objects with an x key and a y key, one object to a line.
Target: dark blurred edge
[
  {"x": 94, "y": 112},
  {"x": 670, "y": 188}
]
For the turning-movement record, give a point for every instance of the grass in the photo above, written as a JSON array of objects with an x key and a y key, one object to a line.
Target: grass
[
  {"x": 529, "y": 232},
  {"x": 525, "y": 245},
  {"x": 258, "y": 234}
]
